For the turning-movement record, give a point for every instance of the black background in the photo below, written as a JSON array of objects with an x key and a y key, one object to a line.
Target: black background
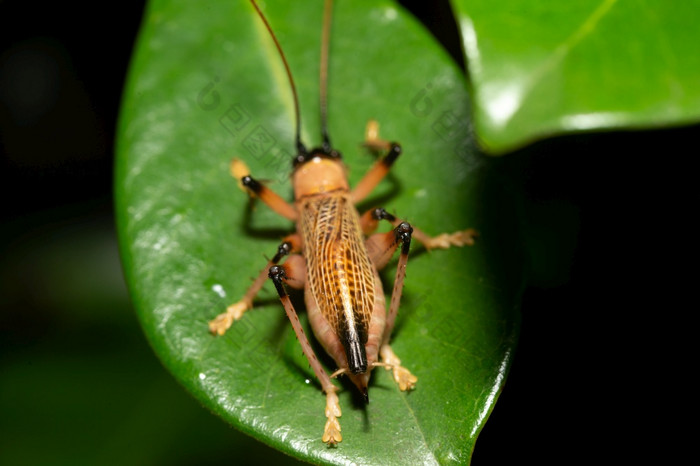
[{"x": 609, "y": 214}]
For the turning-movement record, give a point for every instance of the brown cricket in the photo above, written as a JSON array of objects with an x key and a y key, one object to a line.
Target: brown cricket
[{"x": 335, "y": 256}]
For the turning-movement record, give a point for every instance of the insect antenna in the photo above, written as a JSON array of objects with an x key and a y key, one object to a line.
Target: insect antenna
[
  {"x": 325, "y": 40},
  {"x": 301, "y": 148}
]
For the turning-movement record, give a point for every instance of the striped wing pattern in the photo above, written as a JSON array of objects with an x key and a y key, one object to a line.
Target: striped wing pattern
[{"x": 339, "y": 270}]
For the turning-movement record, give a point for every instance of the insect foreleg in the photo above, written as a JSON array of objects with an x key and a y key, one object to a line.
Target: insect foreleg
[
  {"x": 255, "y": 188},
  {"x": 376, "y": 173},
  {"x": 281, "y": 275},
  {"x": 223, "y": 321},
  {"x": 372, "y": 140}
]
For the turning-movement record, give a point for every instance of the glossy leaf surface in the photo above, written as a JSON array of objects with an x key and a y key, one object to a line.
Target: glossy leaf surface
[
  {"x": 206, "y": 84},
  {"x": 540, "y": 68}
]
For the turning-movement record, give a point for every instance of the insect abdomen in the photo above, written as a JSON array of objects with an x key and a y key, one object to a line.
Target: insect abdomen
[{"x": 340, "y": 274}]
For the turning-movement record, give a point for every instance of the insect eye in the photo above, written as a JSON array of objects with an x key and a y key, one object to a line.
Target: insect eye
[{"x": 334, "y": 154}]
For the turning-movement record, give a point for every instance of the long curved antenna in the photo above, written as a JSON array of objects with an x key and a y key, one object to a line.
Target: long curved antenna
[
  {"x": 300, "y": 146},
  {"x": 325, "y": 39}
]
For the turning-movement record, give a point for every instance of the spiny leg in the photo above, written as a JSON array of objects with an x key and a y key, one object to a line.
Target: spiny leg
[
  {"x": 381, "y": 247},
  {"x": 222, "y": 322},
  {"x": 284, "y": 274},
  {"x": 370, "y": 220}
]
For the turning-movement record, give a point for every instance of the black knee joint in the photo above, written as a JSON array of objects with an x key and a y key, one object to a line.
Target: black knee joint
[
  {"x": 394, "y": 152},
  {"x": 283, "y": 250},
  {"x": 380, "y": 214},
  {"x": 251, "y": 183},
  {"x": 403, "y": 234},
  {"x": 277, "y": 274}
]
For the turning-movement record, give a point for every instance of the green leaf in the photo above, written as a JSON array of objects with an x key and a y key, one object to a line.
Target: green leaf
[
  {"x": 540, "y": 68},
  {"x": 206, "y": 84}
]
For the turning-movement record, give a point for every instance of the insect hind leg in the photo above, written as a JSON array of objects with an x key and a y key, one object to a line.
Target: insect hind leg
[
  {"x": 402, "y": 376},
  {"x": 280, "y": 276},
  {"x": 381, "y": 247}
]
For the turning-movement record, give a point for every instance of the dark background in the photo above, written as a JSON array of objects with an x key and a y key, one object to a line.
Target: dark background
[{"x": 608, "y": 222}]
